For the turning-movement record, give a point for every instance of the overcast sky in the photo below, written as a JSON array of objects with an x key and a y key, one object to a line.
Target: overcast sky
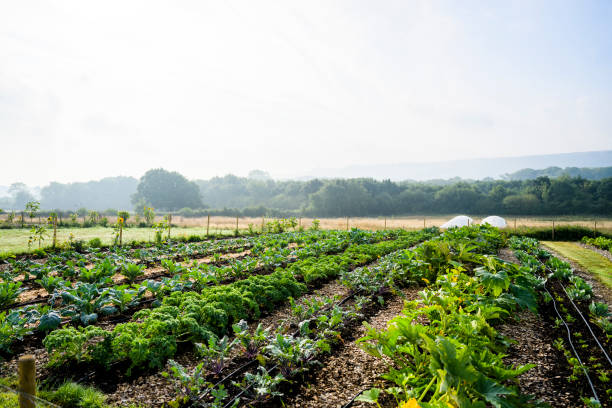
[{"x": 93, "y": 89}]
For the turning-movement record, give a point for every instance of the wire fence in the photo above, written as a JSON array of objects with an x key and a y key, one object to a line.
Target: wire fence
[{"x": 30, "y": 399}]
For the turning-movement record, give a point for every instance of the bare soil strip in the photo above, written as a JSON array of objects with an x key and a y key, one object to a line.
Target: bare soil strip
[
  {"x": 534, "y": 337},
  {"x": 350, "y": 370}
]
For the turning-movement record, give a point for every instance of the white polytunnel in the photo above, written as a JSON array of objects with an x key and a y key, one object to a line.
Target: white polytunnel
[
  {"x": 495, "y": 221},
  {"x": 458, "y": 221}
]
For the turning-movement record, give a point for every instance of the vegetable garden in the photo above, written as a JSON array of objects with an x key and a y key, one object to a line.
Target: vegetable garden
[{"x": 252, "y": 321}]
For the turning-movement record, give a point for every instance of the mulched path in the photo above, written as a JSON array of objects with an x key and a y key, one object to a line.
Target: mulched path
[
  {"x": 350, "y": 370},
  {"x": 534, "y": 337},
  {"x": 152, "y": 390}
]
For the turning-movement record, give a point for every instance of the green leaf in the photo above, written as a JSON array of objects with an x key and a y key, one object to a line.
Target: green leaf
[
  {"x": 370, "y": 395},
  {"x": 49, "y": 321},
  {"x": 88, "y": 319},
  {"x": 494, "y": 282}
]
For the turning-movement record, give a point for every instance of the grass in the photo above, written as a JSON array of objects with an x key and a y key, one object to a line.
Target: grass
[
  {"x": 16, "y": 240},
  {"x": 589, "y": 260}
]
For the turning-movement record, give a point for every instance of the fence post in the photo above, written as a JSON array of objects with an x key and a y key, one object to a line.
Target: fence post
[
  {"x": 169, "y": 224},
  {"x": 207, "y": 224},
  {"x": 26, "y": 368},
  {"x": 595, "y": 233},
  {"x": 347, "y": 222},
  {"x": 553, "y": 230},
  {"x": 385, "y": 222},
  {"x": 424, "y": 219},
  {"x": 54, "y": 231}
]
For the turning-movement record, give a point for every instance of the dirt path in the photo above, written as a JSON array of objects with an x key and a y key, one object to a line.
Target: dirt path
[
  {"x": 350, "y": 370},
  {"x": 534, "y": 338}
]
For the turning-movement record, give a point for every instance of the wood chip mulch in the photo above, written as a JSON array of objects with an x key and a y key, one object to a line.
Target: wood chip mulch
[{"x": 351, "y": 369}]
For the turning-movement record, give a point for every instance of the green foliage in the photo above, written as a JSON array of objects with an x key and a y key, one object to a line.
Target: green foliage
[
  {"x": 9, "y": 291},
  {"x": 73, "y": 395},
  {"x": 167, "y": 190}
]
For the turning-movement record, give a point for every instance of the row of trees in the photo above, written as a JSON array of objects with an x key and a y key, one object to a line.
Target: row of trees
[{"x": 171, "y": 191}]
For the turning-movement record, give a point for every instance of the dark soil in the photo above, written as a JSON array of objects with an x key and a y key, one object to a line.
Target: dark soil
[{"x": 350, "y": 369}]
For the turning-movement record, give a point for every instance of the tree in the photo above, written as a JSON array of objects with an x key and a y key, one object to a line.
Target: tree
[
  {"x": 21, "y": 195},
  {"x": 167, "y": 190}
]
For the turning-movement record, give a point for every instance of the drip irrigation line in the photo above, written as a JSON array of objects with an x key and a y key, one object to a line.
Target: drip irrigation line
[
  {"x": 350, "y": 403},
  {"x": 587, "y": 325},
  {"x": 569, "y": 338},
  {"x": 581, "y": 316},
  {"x": 244, "y": 390}
]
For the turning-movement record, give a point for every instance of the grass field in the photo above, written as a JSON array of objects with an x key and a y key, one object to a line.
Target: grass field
[
  {"x": 16, "y": 240},
  {"x": 591, "y": 261}
]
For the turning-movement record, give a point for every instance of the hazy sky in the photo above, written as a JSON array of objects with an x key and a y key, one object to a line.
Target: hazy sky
[{"x": 92, "y": 89}]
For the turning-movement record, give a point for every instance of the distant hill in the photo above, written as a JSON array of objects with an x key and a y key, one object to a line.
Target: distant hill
[
  {"x": 588, "y": 173},
  {"x": 468, "y": 168}
]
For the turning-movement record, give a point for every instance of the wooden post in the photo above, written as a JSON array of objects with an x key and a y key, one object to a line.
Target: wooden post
[
  {"x": 26, "y": 368},
  {"x": 385, "y": 222},
  {"x": 595, "y": 233},
  {"x": 54, "y": 231},
  {"x": 553, "y": 230},
  {"x": 424, "y": 219},
  {"x": 169, "y": 224},
  {"x": 207, "y": 224},
  {"x": 347, "y": 222}
]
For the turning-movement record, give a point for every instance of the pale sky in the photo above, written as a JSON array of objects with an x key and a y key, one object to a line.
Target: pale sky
[{"x": 90, "y": 89}]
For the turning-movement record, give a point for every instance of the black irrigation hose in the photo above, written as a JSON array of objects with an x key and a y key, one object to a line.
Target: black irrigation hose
[
  {"x": 569, "y": 338},
  {"x": 229, "y": 404},
  {"x": 346, "y": 298},
  {"x": 350, "y": 403},
  {"x": 582, "y": 317},
  {"x": 587, "y": 325}
]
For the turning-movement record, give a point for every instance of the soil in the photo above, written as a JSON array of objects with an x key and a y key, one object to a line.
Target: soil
[
  {"x": 350, "y": 370},
  {"x": 139, "y": 389},
  {"x": 534, "y": 336}
]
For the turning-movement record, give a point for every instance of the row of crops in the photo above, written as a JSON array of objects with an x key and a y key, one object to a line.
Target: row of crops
[
  {"x": 124, "y": 313},
  {"x": 79, "y": 294}
]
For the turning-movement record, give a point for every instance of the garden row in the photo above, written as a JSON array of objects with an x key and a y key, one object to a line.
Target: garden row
[
  {"x": 84, "y": 302},
  {"x": 599, "y": 242},
  {"x": 314, "y": 328},
  {"x": 456, "y": 357}
]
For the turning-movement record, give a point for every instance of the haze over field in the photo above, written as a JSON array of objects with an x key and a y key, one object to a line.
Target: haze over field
[{"x": 90, "y": 90}]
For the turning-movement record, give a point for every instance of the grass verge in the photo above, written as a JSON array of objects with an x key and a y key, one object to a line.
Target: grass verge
[{"x": 589, "y": 260}]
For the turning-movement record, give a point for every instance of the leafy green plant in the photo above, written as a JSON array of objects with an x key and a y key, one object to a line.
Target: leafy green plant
[
  {"x": 251, "y": 344},
  {"x": 132, "y": 271},
  {"x": 9, "y": 291}
]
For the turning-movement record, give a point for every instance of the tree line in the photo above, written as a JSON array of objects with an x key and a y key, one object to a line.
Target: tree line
[{"x": 260, "y": 195}]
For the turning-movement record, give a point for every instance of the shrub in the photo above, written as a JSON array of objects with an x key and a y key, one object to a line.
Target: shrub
[{"x": 95, "y": 243}]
